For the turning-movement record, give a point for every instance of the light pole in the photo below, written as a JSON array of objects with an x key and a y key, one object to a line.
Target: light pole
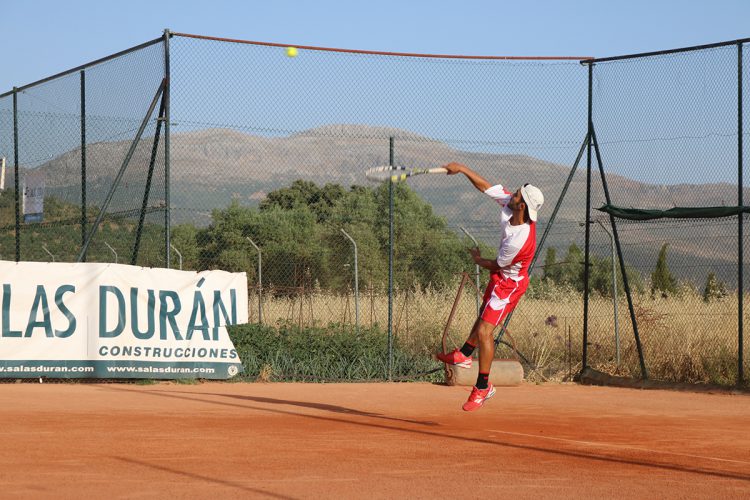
[
  {"x": 476, "y": 276},
  {"x": 614, "y": 290},
  {"x": 178, "y": 254},
  {"x": 48, "y": 252},
  {"x": 113, "y": 250},
  {"x": 356, "y": 281},
  {"x": 260, "y": 281}
]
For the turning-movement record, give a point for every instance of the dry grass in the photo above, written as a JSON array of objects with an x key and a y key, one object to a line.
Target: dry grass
[{"x": 684, "y": 338}]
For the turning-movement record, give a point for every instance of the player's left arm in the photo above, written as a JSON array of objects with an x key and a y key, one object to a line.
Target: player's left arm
[{"x": 489, "y": 264}]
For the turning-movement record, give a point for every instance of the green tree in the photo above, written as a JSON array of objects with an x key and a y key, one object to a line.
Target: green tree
[
  {"x": 357, "y": 213},
  {"x": 601, "y": 277},
  {"x": 305, "y": 194},
  {"x": 714, "y": 288},
  {"x": 569, "y": 272},
  {"x": 550, "y": 261},
  {"x": 299, "y": 231},
  {"x": 185, "y": 239},
  {"x": 426, "y": 252},
  {"x": 290, "y": 242},
  {"x": 662, "y": 280}
]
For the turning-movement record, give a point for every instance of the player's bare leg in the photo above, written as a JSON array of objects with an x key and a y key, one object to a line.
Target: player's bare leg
[
  {"x": 462, "y": 357},
  {"x": 480, "y": 336},
  {"x": 483, "y": 390},
  {"x": 486, "y": 344}
]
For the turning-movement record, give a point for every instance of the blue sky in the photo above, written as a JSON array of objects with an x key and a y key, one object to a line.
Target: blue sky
[
  {"x": 534, "y": 109},
  {"x": 44, "y": 37}
]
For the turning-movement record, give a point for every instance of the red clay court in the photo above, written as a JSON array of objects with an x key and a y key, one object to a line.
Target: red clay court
[{"x": 409, "y": 440}]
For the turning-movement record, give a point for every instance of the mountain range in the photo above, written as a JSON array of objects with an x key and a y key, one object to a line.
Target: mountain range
[{"x": 211, "y": 167}]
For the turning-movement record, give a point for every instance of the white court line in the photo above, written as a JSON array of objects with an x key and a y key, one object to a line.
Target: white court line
[{"x": 622, "y": 446}]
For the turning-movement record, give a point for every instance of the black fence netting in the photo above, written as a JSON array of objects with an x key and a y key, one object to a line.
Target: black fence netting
[
  {"x": 744, "y": 344},
  {"x": 75, "y": 134},
  {"x": 666, "y": 127},
  {"x": 7, "y": 191},
  {"x": 265, "y": 174},
  {"x": 268, "y": 160}
]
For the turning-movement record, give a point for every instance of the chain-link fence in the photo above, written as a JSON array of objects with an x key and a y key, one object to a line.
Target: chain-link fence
[
  {"x": 265, "y": 174},
  {"x": 287, "y": 141},
  {"x": 69, "y": 138},
  {"x": 667, "y": 128}
]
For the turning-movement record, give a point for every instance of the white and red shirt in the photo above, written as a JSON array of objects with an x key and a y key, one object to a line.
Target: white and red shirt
[{"x": 517, "y": 243}]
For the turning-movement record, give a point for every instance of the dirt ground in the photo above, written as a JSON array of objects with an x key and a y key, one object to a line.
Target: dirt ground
[{"x": 410, "y": 440}]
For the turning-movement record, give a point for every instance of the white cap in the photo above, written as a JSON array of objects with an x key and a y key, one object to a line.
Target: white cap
[{"x": 533, "y": 198}]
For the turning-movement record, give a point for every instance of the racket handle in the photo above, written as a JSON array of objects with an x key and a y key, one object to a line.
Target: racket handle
[{"x": 439, "y": 170}]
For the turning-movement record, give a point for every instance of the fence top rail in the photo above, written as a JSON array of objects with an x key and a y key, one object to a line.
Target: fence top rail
[
  {"x": 739, "y": 41},
  {"x": 84, "y": 66},
  {"x": 382, "y": 53}
]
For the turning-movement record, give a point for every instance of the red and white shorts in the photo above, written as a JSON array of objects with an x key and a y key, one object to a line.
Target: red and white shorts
[{"x": 500, "y": 297}]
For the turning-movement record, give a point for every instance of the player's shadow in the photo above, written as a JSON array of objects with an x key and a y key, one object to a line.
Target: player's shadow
[
  {"x": 695, "y": 469},
  {"x": 325, "y": 407}
]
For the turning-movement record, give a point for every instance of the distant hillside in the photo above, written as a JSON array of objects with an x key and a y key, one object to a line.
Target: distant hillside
[{"x": 211, "y": 167}]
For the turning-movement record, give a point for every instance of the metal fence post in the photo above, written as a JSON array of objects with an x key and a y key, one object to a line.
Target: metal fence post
[
  {"x": 16, "y": 174},
  {"x": 625, "y": 285},
  {"x": 740, "y": 217},
  {"x": 547, "y": 229},
  {"x": 149, "y": 180},
  {"x": 356, "y": 281},
  {"x": 476, "y": 270},
  {"x": 584, "y": 356},
  {"x": 83, "y": 159},
  {"x": 166, "y": 99},
  {"x": 118, "y": 178},
  {"x": 390, "y": 266},
  {"x": 260, "y": 281},
  {"x": 614, "y": 290}
]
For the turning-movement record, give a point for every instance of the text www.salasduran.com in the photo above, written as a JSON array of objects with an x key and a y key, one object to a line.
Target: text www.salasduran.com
[
  {"x": 110, "y": 369},
  {"x": 46, "y": 369},
  {"x": 152, "y": 369}
]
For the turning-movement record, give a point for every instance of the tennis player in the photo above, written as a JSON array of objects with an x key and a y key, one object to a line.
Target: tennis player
[{"x": 509, "y": 275}]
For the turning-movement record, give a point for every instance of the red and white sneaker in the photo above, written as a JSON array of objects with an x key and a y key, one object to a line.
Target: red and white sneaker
[
  {"x": 478, "y": 397},
  {"x": 455, "y": 357}
]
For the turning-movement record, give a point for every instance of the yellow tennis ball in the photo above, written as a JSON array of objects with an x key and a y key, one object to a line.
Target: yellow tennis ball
[{"x": 291, "y": 51}]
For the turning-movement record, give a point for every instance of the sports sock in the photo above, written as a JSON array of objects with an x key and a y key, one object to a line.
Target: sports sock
[
  {"x": 468, "y": 349},
  {"x": 483, "y": 380}
]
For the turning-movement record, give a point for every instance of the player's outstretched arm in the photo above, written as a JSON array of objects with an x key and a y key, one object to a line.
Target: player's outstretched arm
[{"x": 458, "y": 168}]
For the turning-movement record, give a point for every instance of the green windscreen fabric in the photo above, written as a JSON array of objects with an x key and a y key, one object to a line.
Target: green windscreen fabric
[{"x": 673, "y": 213}]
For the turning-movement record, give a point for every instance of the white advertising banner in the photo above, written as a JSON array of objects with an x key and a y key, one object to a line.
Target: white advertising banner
[{"x": 90, "y": 320}]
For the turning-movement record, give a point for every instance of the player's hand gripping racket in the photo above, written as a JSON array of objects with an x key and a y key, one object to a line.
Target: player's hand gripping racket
[{"x": 397, "y": 174}]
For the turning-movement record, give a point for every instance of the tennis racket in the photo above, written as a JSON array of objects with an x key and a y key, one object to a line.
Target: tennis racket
[{"x": 397, "y": 174}]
